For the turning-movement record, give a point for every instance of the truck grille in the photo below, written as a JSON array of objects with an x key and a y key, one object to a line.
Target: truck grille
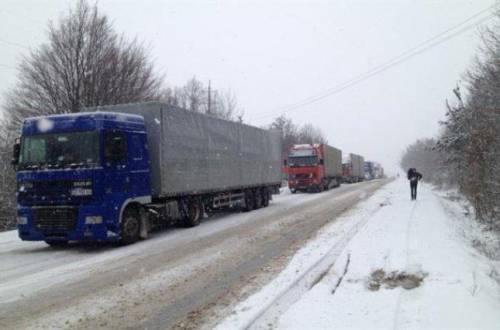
[
  {"x": 44, "y": 191},
  {"x": 53, "y": 219}
]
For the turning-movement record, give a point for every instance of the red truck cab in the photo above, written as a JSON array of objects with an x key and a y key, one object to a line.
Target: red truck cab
[{"x": 307, "y": 168}]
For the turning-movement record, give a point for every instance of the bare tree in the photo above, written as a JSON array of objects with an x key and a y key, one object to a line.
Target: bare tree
[
  {"x": 225, "y": 106},
  {"x": 7, "y": 180},
  {"x": 428, "y": 160},
  {"x": 311, "y": 134},
  {"x": 293, "y": 134},
  {"x": 470, "y": 136},
  {"x": 193, "y": 96},
  {"x": 289, "y": 131},
  {"x": 84, "y": 63}
]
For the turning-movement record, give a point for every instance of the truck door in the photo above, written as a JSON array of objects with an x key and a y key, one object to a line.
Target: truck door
[
  {"x": 117, "y": 180},
  {"x": 139, "y": 164}
]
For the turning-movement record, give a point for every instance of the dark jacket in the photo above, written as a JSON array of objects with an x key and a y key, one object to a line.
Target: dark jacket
[{"x": 413, "y": 175}]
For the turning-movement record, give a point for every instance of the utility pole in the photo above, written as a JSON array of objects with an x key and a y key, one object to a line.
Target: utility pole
[{"x": 209, "y": 99}]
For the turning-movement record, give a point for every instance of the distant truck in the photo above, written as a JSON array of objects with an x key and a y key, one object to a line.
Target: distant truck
[
  {"x": 313, "y": 167},
  {"x": 353, "y": 169},
  {"x": 379, "y": 171},
  {"x": 373, "y": 170},
  {"x": 113, "y": 173}
]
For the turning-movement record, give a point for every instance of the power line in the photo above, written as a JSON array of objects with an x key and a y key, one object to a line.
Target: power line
[
  {"x": 21, "y": 16},
  {"x": 7, "y": 66},
  {"x": 402, "y": 57},
  {"x": 14, "y": 44}
]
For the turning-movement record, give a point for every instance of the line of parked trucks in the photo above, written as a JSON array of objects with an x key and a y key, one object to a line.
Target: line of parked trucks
[
  {"x": 318, "y": 167},
  {"x": 114, "y": 173}
]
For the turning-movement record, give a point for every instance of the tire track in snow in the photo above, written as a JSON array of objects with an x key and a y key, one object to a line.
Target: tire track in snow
[
  {"x": 407, "y": 246},
  {"x": 268, "y": 315}
]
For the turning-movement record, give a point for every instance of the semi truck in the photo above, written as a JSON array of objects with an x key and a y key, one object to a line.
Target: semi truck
[
  {"x": 313, "y": 167},
  {"x": 353, "y": 169},
  {"x": 115, "y": 173}
]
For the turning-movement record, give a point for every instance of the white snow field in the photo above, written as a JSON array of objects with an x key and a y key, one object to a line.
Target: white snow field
[{"x": 327, "y": 284}]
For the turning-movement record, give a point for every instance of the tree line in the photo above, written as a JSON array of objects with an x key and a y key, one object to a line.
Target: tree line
[
  {"x": 466, "y": 154},
  {"x": 292, "y": 133}
]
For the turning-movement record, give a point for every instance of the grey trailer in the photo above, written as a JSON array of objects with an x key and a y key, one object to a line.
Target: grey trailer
[
  {"x": 192, "y": 153},
  {"x": 358, "y": 169},
  {"x": 333, "y": 161},
  {"x": 206, "y": 163}
]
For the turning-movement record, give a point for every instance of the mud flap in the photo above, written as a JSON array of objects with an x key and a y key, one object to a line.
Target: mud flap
[{"x": 145, "y": 225}]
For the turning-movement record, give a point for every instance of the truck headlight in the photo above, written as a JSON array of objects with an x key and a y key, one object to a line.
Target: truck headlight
[
  {"x": 22, "y": 220},
  {"x": 93, "y": 220},
  {"x": 81, "y": 192}
]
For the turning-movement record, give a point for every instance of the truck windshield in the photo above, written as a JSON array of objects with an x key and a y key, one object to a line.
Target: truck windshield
[
  {"x": 302, "y": 161},
  {"x": 59, "y": 150}
]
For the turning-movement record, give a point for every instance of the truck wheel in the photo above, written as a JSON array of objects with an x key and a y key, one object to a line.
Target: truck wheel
[
  {"x": 293, "y": 191},
  {"x": 130, "y": 226},
  {"x": 258, "y": 199},
  {"x": 57, "y": 243},
  {"x": 194, "y": 213},
  {"x": 265, "y": 197},
  {"x": 249, "y": 201}
]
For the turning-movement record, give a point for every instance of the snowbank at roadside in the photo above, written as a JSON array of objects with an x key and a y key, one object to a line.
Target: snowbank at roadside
[{"x": 417, "y": 245}]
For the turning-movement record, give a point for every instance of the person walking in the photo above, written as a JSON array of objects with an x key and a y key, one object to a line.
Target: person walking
[{"x": 414, "y": 177}]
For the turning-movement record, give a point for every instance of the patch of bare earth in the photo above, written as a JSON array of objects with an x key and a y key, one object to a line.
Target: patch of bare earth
[{"x": 381, "y": 279}]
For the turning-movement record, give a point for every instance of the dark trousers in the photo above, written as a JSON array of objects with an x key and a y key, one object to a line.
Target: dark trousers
[{"x": 413, "y": 188}]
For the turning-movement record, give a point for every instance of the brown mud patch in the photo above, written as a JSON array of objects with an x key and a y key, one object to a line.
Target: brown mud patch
[{"x": 381, "y": 279}]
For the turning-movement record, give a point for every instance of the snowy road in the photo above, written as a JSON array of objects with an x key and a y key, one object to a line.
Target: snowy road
[{"x": 177, "y": 278}]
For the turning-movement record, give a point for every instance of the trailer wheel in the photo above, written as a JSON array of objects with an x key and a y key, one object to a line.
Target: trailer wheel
[
  {"x": 130, "y": 226},
  {"x": 258, "y": 199},
  {"x": 265, "y": 197},
  {"x": 249, "y": 201},
  {"x": 194, "y": 213}
]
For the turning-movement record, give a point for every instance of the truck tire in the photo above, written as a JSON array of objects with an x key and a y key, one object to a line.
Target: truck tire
[
  {"x": 249, "y": 201},
  {"x": 130, "y": 226},
  {"x": 257, "y": 198},
  {"x": 293, "y": 191},
  {"x": 266, "y": 196},
  {"x": 194, "y": 213},
  {"x": 56, "y": 243}
]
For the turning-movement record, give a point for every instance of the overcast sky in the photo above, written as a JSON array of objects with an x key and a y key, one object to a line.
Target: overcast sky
[{"x": 275, "y": 53}]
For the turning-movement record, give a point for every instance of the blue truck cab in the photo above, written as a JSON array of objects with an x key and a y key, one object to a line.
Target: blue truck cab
[{"x": 76, "y": 174}]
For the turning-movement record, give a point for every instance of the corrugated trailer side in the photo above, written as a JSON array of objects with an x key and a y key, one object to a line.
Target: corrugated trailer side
[
  {"x": 192, "y": 153},
  {"x": 333, "y": 161}
]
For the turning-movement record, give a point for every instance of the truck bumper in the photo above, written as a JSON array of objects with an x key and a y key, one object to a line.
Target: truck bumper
[
  {"x": 303, "y": 185},
  {"x": 79, "y": 223}
]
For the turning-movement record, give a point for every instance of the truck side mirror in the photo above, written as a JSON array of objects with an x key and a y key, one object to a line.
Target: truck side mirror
[
  {"x": 285, "y": 162},
  {"x": 16, "y": 151},
  {"x": 322, "y": 161}
]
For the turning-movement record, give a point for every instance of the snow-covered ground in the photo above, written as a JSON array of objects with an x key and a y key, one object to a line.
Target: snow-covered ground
[{"x": 351, "y": 276}]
